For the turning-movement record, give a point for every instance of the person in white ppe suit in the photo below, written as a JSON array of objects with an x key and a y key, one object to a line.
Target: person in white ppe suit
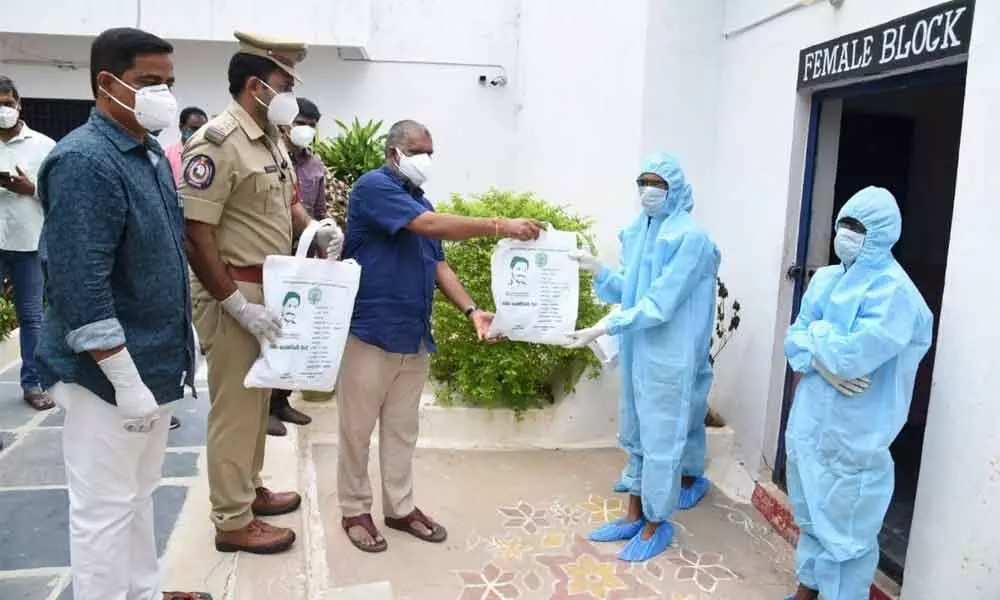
[
  {"x": 860, "y": 334},
  {"x": 667, "y": 287}
]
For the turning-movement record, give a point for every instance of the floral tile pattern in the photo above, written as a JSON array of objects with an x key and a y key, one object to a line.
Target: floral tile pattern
[
  {"x": 538, "y": 551},
  {"x": 509, "y": 548},
  {"x": 492, "y": 583},
  {"x": 603, "y": 510},
  {"x": 705, "y": 570},
  {"x": 525, "y": 517},
  {"x": 587, "y": 573},
  {"x": 568, "y": 516}
]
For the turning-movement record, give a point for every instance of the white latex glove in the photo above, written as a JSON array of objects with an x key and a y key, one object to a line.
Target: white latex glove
[
  {"x": 582, "y": 337},
  {"x": 847, "y": 387},
  {"x": 255, "y": 318},
  {"x": 586, "y": 260},
  {"x": 330, "y": 238},
  {"x": 136, "y": 404}
]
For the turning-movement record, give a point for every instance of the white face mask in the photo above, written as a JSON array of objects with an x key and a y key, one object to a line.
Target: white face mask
[
  {"x": 652, "y": 199},
  {"x": 155, "y": 106},
  {"x": 9, "y": 117},
  {"x": 302, "y": 136},
  {"x": 282, "y": 109},
  {"x": 847, "y": 245},
  {"x": 416, "y": 168}
]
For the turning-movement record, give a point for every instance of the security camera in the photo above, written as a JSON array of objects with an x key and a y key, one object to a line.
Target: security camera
[{"x": 497, "y": 81}]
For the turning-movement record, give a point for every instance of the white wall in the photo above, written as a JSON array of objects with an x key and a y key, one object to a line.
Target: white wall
[
  {"x": 680, "y": 99},
  {"x": 313, "y": 20},
  {"x": 579, "y": 80},
  {"x": 473, "y": 126},
  {"x": 955, "y": 541}
]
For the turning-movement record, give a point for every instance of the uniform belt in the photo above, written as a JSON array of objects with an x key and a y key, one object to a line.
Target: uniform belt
[{"x": 247, "y": 274}]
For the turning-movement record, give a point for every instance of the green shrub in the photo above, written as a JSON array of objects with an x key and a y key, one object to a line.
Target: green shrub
[
  {"x": 512, "y": 375},
  {"x": 8, "y": 318},
  {"x": 357, "y": 149}
]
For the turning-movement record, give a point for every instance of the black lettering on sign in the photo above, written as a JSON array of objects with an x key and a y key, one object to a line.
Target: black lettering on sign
[{"x": 930, "y": 35}]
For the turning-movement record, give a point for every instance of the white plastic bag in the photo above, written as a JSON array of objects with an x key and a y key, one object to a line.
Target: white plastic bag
[
  {"x": 315, "y": 299},
  {"x": 536, "y": 288}
]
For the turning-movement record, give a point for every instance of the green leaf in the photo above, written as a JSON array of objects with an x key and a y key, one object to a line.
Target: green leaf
[
  {"x": 511, "y": 375},
  {"x": 357, "y": 149}
]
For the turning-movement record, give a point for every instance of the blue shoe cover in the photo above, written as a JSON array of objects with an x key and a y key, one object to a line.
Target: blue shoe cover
[
  {"x": 620, "y": 488},
  {"x": 638, "y": 549},
  {"x": 616, "y": 531},
  {"x": 691, "y": 496}
]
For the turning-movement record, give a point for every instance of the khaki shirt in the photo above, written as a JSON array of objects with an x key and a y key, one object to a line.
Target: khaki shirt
[{"x": 240, "y": 178}]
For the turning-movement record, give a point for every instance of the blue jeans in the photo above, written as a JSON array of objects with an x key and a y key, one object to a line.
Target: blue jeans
[{"x": 25, "y": 272}]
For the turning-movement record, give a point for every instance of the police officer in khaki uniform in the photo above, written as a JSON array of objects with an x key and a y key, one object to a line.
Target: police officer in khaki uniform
[{"x": 240, "y": 203}]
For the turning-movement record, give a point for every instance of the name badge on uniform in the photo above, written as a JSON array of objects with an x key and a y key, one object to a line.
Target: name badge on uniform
[{"x": 271, "y": 169}]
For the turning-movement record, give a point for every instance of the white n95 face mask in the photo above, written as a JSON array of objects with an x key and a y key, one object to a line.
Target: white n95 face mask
[
  {"x": 282, "y": 109},
  {"x": 652, "y": 199},
  {"x": 302, "y": 136},
  {"x": 9, "y": 117},
  {"x": 847, "y": 245},
  {"x": 155, "y": 106},
  {"x": 416, "y": 168}
]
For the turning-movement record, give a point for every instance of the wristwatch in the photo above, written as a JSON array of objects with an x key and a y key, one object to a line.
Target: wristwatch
[{"x": 470, "y": 310}]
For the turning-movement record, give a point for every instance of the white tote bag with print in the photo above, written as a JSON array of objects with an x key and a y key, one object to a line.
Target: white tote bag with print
[{"x": 315, "y": 299}]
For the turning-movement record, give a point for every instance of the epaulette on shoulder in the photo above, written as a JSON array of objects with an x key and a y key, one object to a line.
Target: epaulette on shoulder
[{"x": 219, "y": 129}]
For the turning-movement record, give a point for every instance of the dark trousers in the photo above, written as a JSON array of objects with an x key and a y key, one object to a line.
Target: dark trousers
[
  {"x": 279, "y": 399},
  {"x": 25, "y": 272}
]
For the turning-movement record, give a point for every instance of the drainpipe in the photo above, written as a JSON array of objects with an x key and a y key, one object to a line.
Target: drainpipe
[{"x": 778, "y": 14}]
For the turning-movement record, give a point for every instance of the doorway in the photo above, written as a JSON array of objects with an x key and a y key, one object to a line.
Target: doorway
[
  {"x": 54, "y": 117},
  {"x": 902, "y": 134}
]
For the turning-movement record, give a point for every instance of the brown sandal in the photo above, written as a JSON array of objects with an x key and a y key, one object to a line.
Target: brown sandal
[
  {"x": 39, "y": 400},
  {"x": 368, "y": 524},
  {"x": 437, "y": 533}
]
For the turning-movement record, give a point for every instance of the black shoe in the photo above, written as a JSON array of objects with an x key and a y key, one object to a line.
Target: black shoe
[
  {"x": 275, "y": 427},
  {"x": 174, "y": 423},
  {"x": 290, "y": 415}
]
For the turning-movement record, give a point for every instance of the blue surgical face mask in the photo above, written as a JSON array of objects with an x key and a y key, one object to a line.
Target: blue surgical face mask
[
  {"x": 186, "y": 134},
  {"x": 652, "y": 199},
  {"x": 847, "y": 245}
]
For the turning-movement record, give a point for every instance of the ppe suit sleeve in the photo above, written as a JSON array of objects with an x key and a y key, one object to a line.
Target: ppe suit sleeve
[
  {"x": 884, "y": 327},
  {"x": 798, "y": 345},
  {"x": 608, "y": 283},
  {"x": 686, "y": 267}
]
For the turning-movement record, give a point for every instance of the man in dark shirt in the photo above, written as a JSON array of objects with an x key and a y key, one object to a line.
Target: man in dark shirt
[
  {"x": 395, "y": 235},
  {"x": 311, "y": 175},
  {"x": 117, "y": 345}
]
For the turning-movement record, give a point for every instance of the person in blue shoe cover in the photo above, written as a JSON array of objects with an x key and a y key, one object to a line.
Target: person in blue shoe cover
[
  {"x": 666, "y": 286},
  {"x": 860, "y": 334}
]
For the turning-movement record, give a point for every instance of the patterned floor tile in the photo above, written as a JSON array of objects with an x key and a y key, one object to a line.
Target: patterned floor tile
[
  {"x": 37, "y": 460},
  {"x": 27, "y": 588},
  {"x": 180, "y": 464}
]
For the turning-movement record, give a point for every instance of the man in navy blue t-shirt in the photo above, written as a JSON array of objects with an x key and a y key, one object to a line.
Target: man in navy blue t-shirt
[{"x": 395, "y": 235}]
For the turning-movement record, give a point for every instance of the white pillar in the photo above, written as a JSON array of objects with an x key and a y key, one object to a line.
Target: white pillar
[{"x": 954, "y": 549}]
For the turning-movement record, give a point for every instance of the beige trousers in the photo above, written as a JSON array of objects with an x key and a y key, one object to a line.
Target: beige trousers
[
  {"x": 376, "y": 385},
  {"x": 237, "y": 421}
]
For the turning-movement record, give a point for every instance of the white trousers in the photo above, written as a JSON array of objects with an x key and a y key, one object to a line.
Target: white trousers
[{"x": 111, "y": 474}]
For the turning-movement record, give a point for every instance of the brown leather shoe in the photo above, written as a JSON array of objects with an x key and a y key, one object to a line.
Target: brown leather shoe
[
  {"x": 289, "y": 415},
  {"x": 257, "y": 538},
  {"x": 271, "y": 504},
  {"x": 275, "y": 427}
]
